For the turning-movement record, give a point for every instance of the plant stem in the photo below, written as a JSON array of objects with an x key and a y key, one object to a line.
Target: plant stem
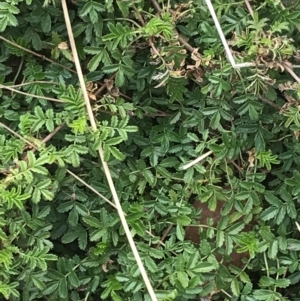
[{"x": 36, "y": 54}]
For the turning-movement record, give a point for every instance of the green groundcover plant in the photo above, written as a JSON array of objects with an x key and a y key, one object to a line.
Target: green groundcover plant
[{"x": 163, "y": 93}]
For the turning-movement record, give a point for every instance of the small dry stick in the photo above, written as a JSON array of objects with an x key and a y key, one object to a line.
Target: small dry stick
[
  {"x": 298, "y": 226},
  {"x": 164, "y": 235},
  {"x": 223, "y": 39},
  {"x": 186, "y": 166},
  {"x": 17, "y": 135},
  {"x": 46, "y": 139},
  {"x": 249, "y": 8},
  {"x": 30, "y": 95},
  {"x": 108, "y": 201},
  {"x": 224, "y": 292},
  {"x": 291, "y": 72},
  {"x": 269, "y": 102},
  {"x": 91, "y": 188},
  {"x": 104, "y": 85},
  {"x": 240, "y": 169},
  {"x": 156, "y": 5},
  {"x": 32, "y": 83},
  {"x": 139, "y": 15},
  {"x": 156, "y": 51},
  {"x": 101, "y": 154},
  {"x": 37, "y": 54}
]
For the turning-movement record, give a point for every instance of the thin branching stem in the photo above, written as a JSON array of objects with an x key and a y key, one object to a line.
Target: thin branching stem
[
  {"x": 47, "y": 138},
  {"x": 32, "y": 83},
  {"x": 291, "y": 72},
  {"x": 36, "y": 54},
  {"x": 249, "y": 8},
  {"x": 30, "y": 95}
]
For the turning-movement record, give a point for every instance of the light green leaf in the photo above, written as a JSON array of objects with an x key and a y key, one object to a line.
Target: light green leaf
[
  {"x": 282, "y": 283},
  {"x": 180, "y": 232},
  {"x": 183, "y": 279},
  {"x": 110, "y": 68},
  {"x": 203, "y": 267},
  {"x": 62, "y": 288},
  {"x": 235, "y": 288},
  {"x": 120, "y": 78},
  {"x": 116, "y": 153},
  {"x": 74, "y": 279},
  {"x": 38, "y": 283},
  {"x": 92, "y": 221},
  {"x": 114, "y": 141}
]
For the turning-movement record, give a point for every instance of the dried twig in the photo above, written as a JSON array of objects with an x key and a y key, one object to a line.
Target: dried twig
[
  {"x": 101, "y": 154},
  {"x": 288, "y": 68},
  {"x": 269, "y": 102},
  {"x": 187, "y": 166},
  {"x": 165, "y": 235},
  {"x": 46, "y": 139},
  {"x": 240, "y": 169},
  {"x": 156, "y": 51},
  {"x": 223, "y": 39},
  {"x": 49, "y": 137},
  {"x": 104, "y": 85},
  {"x": 249, "y": 8},
  {"x": 30, "y": 95},
  {"x": 32, "y": 83},
  {"x": 139, "y": 15},
  {"x": 36, "y": 54}
]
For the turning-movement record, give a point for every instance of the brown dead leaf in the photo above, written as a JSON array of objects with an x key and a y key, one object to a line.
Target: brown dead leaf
[
  {"x": 196, "y": 56},
  {"x": 177, "y": 73},
  {"x": 92, "y": 96},
  {"x": 251, "y": 158},
  {"x": 288, "y": 86},
  {"x": 91, "y": 88},
  {"x": 63, "y": 45},
  {"x": 275, "y": 65},
  {"x": 170, "y": 65},
  {"x": 197, "y": 72},
  {"x": 109, "y": 84},
  {"x": 214, "y": 291},
  {"x": 297, "y": 55},
  {"x": 106, "y": 264},
  {"x": 182, "y": 6},
  {"x": 181, "y": 10},
  {"x": 115, "y": 92},
  {"x": 289, "y": 98}
]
